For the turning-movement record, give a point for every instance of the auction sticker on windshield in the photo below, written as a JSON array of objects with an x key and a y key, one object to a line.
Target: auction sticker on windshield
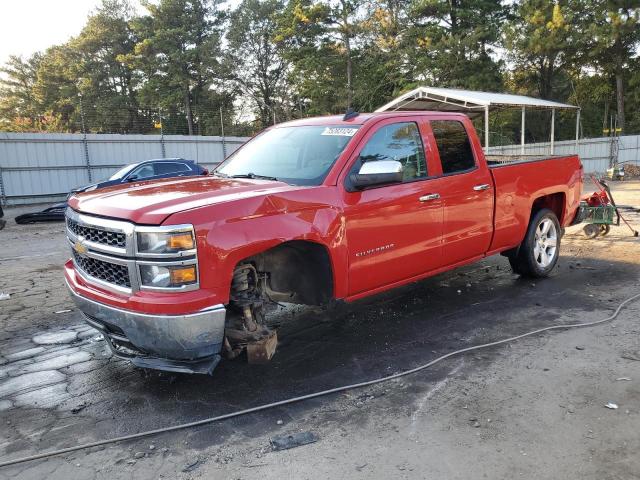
[{"x": 340, "y": 131}]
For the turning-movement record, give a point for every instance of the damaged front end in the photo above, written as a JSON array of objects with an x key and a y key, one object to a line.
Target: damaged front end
[
  {"x": 134, "y": 282},
  {"x": 246, "y": 329}
]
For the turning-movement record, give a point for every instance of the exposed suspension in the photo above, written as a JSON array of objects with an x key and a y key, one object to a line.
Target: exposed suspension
[{"x": 249, "y": 331}]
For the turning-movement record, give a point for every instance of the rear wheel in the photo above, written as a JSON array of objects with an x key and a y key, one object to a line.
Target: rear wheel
[
  {"x": 605, "y": 229},
  {"x": 538, "y": 253}
]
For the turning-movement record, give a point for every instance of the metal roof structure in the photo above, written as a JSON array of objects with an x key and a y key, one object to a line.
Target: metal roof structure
[
  {"x": 476, "y": 103},
  {"x": 454, "y": 100}
]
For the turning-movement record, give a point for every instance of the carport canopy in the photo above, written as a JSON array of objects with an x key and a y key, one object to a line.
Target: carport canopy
[{"x": 476, "y": 103}]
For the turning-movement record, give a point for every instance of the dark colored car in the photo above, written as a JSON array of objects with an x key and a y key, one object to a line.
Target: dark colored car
[{"x": 147, "y": 170}]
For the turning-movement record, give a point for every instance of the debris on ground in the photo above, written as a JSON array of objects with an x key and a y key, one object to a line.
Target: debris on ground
[
  {"x": 191, "y": 466},
  {"x": 4, "y": 296},
  {"x": 285, "y": 442},
  {"x": 579, "y": 347},
  {"x": 79, "y": 408},
  {"x": 611, "y": 406},
  {"x": 63, "y": 311},
  {"x": 623, "y": 379}
]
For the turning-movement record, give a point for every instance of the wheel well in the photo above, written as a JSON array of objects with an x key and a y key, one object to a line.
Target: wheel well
[
  {"x": 298, "y": 271},
  {"x": 554, "y": 202}
]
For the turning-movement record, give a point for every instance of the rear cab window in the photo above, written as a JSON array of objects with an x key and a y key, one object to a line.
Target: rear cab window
[{"x": 454, "y": 146}]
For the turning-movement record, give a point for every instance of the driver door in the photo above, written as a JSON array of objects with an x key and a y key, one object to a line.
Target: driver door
[{"x": 394, "y": 232}]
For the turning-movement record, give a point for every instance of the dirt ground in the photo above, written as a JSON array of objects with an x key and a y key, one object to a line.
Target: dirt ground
[{"x": 531, "y": 409}]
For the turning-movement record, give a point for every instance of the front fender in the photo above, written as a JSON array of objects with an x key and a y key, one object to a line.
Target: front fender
[{"x": 222, "y": 244}]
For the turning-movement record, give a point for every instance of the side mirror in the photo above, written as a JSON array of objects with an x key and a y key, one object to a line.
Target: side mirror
[{"x": 377, "y": 173}]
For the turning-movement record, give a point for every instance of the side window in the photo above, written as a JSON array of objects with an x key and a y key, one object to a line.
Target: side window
[
  {"x": 453, "y": 145},
  {"x": 165, "y": 168},
  {"x": 400, "y": 142},
  {"x": 145, "y": 171}
]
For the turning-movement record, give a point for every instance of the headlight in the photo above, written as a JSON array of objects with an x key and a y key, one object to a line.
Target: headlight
[
  {"x": 167, "y": 257},
  {"x": 172, "y": 276},
  {"x": 166, "y": 242}
]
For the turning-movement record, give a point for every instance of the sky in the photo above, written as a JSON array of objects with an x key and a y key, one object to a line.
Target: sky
[{"x": 27, "y": 26}]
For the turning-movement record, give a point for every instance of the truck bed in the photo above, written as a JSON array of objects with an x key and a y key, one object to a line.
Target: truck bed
[
  {"x": 500, "y": 160},
  {"x": 517, "y": 182}
]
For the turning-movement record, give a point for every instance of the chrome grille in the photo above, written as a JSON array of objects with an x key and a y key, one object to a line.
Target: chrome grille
[
  {"x": 97, "y": 235},
  {"x": 104, "y": 252},
  {"x": 105, "y": 271}
]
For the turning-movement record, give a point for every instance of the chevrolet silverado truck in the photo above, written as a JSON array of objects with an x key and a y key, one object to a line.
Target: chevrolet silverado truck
[{"x": 178, "y": 273}]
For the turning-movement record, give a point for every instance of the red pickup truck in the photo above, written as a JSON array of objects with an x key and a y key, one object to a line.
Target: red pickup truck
[{"x": 178, "y": 273}]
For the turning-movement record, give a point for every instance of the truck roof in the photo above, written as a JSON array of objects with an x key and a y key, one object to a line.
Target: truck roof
[{"x": 361, "y": 118}]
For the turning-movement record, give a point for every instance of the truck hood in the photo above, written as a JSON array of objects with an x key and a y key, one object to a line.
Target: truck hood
[{"x": 152, "y": 202}]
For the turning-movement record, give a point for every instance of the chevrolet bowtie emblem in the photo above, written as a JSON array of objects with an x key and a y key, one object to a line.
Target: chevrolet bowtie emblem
[{"x": 80, "y": 247}]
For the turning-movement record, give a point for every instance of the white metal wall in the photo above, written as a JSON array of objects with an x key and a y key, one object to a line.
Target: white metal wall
[
  {"x": 43, "y": 167},
  {"x": 37, "y": 167},
  {"x": 595, "y": 153}
]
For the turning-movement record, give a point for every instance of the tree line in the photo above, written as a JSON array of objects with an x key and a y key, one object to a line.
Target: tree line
[{"x": 206, "y": 67}]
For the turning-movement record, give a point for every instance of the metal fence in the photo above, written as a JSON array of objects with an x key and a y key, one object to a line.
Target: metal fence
[
  {"x": 43, "y": 167},
  {"x": 39, "y": 167},
  {"x": 597, "y": 154}
]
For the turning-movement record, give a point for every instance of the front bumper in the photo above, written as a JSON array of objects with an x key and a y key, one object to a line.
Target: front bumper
[{"x": 189, "y": 343}]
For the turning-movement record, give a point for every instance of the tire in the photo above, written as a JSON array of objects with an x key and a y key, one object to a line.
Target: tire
[
  {"x": 591, "y": 230},
  {"x": 539, "y": 251},
  {"x": 605, "y": 229}
]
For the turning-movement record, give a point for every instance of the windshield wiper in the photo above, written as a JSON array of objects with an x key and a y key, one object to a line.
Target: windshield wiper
[
  {"x": 221, "y": 175},
  {"x": 254, "y": 175}
]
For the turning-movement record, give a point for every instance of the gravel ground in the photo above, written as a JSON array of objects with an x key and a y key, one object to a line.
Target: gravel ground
[{"x": 531, "y": 409}]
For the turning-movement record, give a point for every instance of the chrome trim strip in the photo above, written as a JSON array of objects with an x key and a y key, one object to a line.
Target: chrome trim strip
[
  {"x": 181, "y": 253},
  {"x": 96, "y": 246},
  {"x": 115, "y": 226}
]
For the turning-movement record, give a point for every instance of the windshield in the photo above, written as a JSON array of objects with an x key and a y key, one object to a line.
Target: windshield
[
  {"x": 296, "y": 155},
  {"x": 122, "y": 172}
]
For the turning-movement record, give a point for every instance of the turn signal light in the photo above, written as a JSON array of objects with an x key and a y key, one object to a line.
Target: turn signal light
[
  {"x": 180, "y": 241},
  {"x": 183, "y": 275}
]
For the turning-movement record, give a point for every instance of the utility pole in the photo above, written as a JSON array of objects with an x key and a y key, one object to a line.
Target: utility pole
[
  {"x": 84, "y": 140},
  {"x": 162, "y": 146},
  {"x": 224, "y": 144}
]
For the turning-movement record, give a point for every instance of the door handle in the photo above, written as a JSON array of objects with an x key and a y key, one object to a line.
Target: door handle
[
  {"x": 429, "y": 197},
  {"x": 484, "y": 186}
]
